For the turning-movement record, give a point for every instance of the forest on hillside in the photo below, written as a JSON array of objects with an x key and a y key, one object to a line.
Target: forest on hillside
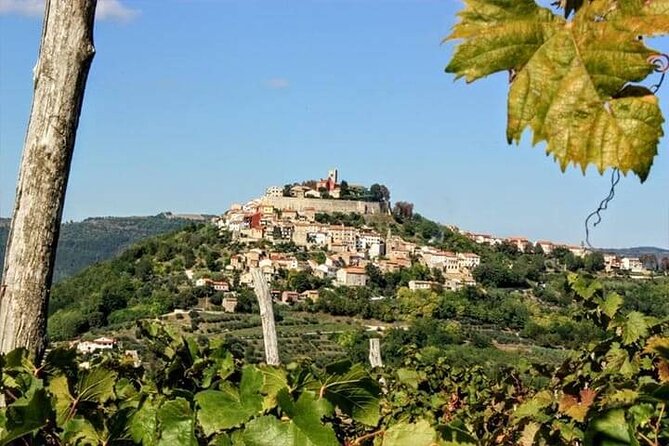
[{"x": 96, "y": 239}]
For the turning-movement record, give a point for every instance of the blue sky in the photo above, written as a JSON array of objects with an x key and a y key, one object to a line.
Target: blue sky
[{"x": 194, "y": 104}]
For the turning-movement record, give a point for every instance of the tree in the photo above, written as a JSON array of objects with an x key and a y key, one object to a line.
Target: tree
[
  {"x": 379, "y": 192},
  {"x": 403, "y": 210},
  {"x": 591, "y": 109},
  {"x": 66, "y": 53},
  {"x": 344, "y": 191},
  {"x": 649, "y": 262},
  {"x": 664, "y": 264},
  {"x": 594, "y": 262}
]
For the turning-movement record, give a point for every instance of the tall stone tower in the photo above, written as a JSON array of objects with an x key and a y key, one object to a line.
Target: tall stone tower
[{"x": 332, "y": 175}]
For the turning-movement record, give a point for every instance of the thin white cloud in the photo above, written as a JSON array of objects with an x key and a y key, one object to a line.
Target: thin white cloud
[
  {"x": 114, "y": 10},
  {"x": 106, "y": 10},
  {"x": 278, "y": 83},
  {"x": 22, "y": 7}
]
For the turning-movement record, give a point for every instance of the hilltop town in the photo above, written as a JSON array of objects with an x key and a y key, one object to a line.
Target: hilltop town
[
  {"x": 305, "y": 216},
  {"x": 302, "y": 214},
  {"x": 334, "y": 250}
]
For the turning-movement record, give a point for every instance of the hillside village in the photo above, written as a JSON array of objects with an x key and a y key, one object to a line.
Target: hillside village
[
  {"x": 298, "y": 213},
  {"x": 319, "y": 250},
  {"x": 294, "y": 217}
]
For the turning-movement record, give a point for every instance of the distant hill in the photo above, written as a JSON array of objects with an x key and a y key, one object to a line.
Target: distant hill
[
  {"x": 100, "y": 238},
  {"x": 638, "y": 251}
]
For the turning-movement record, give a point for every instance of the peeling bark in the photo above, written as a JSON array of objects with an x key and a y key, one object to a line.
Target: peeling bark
[
  {"x": 65, "y": 56},
  {"x": 266, "y": 317},
  {"x": 375, "y": 353}
]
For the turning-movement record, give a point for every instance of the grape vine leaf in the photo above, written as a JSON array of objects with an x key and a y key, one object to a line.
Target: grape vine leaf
[
  {"x": 611, "y": 304},
  {"x": 79, "y": 431},
  {"x": 584, "y": 288},
  {"x": 25, "y": 415},
  {"x": 267, "y": 431},
  {"x": 229, "y": 407},
  {"x": 176, "y": 423},
  {"x": 97, "y": 385},
  {"x": 571, "y": 80},
  {"x": 577, "y": 408},
  {"x": 420, "y": 433},
  {"x": 306, "y": 414},
  {"x": 351, "y": 389},
  {"x": 274, "y": 379},
  {"x": 304, "y": 429},
  {"x": 648, "y": 18},
  {"x": 634, "y": 327},
  {"x": 658, "y": 345},
  {"x": 533, "y": 408},
  {"x": 143, "y": 423},
  {"x": 59, "y": 388},
  {"x": 610, "y": 428},
  {"x": 529, "y": 432}
]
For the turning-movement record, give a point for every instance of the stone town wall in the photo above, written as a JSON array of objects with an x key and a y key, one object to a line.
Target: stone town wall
[{"x": 324, "y": 205}]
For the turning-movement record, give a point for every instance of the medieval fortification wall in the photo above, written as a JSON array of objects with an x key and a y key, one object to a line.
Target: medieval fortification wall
[{"x": 324, "y": 205}]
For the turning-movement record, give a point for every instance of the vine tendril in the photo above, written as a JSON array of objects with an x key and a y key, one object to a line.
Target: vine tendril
[
  {"x": 661, "y": 63},
  {"x": 603, "y": 205}
]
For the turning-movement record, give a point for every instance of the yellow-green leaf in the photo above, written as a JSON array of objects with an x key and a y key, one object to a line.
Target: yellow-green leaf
[{"x": 572, "y": 80}]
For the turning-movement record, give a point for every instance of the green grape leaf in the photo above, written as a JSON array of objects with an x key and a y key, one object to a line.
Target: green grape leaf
[
  {"x": 176, "y": 424},
  {"x": 221, "y": 440},
  {"x": 80, "y": 431},
  {"x": 60, "y": 390},
  {"x": 229, "y": 407},
  {"x": 571, "y": 79},
  {"x": 634, "y": 327},
  {"x": 18, "y": 360},
  {"x": 304, "y": 429},
  {"x": 354, "y": 392},
  {"x": 533, "y": 407},
  {"x": 567, "y": 431},
  {"x": 142, "y": 423},
  {"x": 611, "y": 304},
  {"x": 583, "y": 288},
  {"x": 609, "y": 429},
  {"x": 26, "y": 415},
  {"x": 456, "y": 434},
  {"x": 306, "y": 414},
  {"x": 96, "y": 385},
  {"x": 223, "y": 367},
  {"x": 409, "y": 377},
  {"x": 420, "y": 433},
  {"x": 268, "y": 431},
  {"x": 274, "y": 379}
]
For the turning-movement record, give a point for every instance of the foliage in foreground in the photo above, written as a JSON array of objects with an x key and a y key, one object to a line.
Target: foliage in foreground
[
  {"x": 574, "y": 80},
  {"x": 614, "y": 392}
]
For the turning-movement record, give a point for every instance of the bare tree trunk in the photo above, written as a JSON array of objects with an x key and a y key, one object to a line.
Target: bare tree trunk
[
  {"x": 65, "y": 56},
  {"x": 266, "y": 317},
  {"x": 375, "y": 352}
]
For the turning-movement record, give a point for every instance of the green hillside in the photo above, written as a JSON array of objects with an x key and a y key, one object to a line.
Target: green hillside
[
  {"x": 519, "y": 311},
  {"x": 100, "y": 238}
]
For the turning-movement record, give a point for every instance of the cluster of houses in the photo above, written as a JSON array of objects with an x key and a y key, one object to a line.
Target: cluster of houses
[
  {"x": 612, "y": 262},
  {"x": 329, "y": 185},
  {"x": 349, "y": 249},
  {"x": 346, "y": 262},
  {"x": 104, "y": 344}
]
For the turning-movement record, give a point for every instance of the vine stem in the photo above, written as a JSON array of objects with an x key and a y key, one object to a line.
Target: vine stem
[
  {"x": 358, "y": 441},
  {"x": 657, "y": 423}
]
